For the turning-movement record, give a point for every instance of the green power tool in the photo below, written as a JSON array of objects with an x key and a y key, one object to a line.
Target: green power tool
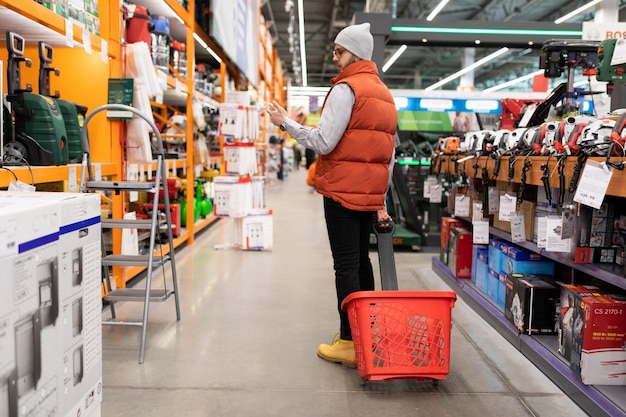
[
  {"x": 40, "y": 137},
  {"x": 73, "y": 114}
]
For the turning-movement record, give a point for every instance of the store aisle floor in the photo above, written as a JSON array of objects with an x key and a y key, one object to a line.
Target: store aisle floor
[{"x": 252, "y": 321}]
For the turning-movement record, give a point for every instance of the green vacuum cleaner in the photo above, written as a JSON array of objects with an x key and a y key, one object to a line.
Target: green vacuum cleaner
[
  {"x": 39, "y": 136},
  {"x": 73, "y": 114}
]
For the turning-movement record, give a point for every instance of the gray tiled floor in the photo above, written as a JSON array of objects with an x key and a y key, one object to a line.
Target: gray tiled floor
[{"x": 251, "y": 323}]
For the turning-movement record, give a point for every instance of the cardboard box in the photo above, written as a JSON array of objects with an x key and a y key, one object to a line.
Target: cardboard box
[
  {"x": 495, "y": 253},
  {"x": 480, "y": 255},
  {"x": 51, "y": 346},
  {"x": 255, "y": 231},
  {"x": 603, "y": 255},
  {"x": 528, "y": 208},
  {"x": 568, "y": 295},
  {"x": 501, "y": 293},
  {"x": 599, "y": 344},
  {"x": 520, "y": 261},
  {"x": 460, "y": 253},
  {"x": 530, "y": 304},
  {"x": 491, "y": 286},
  {"x": 447, "y": 223}
]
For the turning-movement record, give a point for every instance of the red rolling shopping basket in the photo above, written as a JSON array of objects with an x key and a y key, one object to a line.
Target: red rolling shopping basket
[{"x": 401, "y": 334}]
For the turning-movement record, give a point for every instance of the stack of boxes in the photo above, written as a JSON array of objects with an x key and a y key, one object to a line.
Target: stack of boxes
[{"x": 50, "y": 344}]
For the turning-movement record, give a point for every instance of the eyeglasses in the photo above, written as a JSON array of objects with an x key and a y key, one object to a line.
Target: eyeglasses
[{"x": 337, "y": 52}]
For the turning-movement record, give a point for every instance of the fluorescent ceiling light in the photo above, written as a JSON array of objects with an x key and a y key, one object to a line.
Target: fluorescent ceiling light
[
  {"x": 437, "y": 9},
  {"x": 467, "y": 69},
  {"x": 486, "y": 31},
  {"x": 394, "y": 58},
  {"x": 513, "y": 82},
  {"x": 577, "y": 11},
  {"x": 205, "y": 46},
  {"x": 305, "y": 81},
  {"x": 308, "y": 91}
]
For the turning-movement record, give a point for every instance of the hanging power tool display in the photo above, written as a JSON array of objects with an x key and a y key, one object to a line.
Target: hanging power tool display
[
  {"x": 73, "y": 114},
  {"x": 39, "y": 137}
]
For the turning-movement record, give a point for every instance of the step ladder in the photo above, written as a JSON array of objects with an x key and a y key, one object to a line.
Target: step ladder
[{"x": 157, "y": 224}]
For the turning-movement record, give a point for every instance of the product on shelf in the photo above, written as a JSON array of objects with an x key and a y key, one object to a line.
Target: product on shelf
[
  {"x": 447, "y": 223},
  {"x": 567, "y": 299},
  {"x": 599, "y": 343},
  {"x": 531, "y": 303},
  {"x": 460, "y": 253},
  {"x": 519, "y": 261}
]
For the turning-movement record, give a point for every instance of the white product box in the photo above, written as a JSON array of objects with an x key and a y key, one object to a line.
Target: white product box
[
  {"x": 255, "y": 231},
  {"x": 240, "y": 158},
  {"x": 73, "y": 350},
  {"x": 232, "y": 196}
]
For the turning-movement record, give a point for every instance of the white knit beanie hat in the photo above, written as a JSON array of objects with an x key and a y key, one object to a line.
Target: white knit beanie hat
[{"x": 358, "y": 40}]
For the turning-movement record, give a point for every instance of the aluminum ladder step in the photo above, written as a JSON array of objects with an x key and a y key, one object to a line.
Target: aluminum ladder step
[
  {"x": 134, "y": 260},
  {"x": 139, "y": 294},
  {"x": 150, "y": 187},
  {"x": 128, "y": 224}
]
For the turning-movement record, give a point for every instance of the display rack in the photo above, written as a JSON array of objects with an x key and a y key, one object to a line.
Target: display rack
[{"x": 540, "y": 350}]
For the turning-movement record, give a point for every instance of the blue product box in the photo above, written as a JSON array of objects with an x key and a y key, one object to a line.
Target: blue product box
[
  {"x": 530, "y": 263},
  {"x": 520, "y": 254},
  {"x": 492, "y": 285},
  {"x": 501, "y": 294},
  {"x": 477, "y": 251},
  {"x": 481, "y": 275},
  {"x": 495, "y": 253}
]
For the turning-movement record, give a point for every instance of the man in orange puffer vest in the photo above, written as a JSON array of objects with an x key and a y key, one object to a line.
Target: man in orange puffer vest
[{"x": 355, "y": 143}]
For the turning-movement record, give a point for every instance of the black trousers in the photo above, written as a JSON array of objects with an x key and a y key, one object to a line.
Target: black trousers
[{"x": 348, "y": 233}]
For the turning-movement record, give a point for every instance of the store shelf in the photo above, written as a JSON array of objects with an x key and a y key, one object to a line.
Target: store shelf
[
  {"x": 597, "y": 401},
  {"x": 43, "y": 174},
  {"x": 37, "y": 23},
  {"x": 617, "y": 185},
  {"x": 611, "y": 274}
]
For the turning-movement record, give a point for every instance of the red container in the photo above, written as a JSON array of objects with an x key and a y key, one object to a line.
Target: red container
[
  {"x": 401, "y": 334},
  {"x": 139, "y": 25}
]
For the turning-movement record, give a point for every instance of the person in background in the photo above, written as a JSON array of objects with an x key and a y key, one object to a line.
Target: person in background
[
  {"x": 354, "y": 141},
  {"x": 310, "y": 176}
]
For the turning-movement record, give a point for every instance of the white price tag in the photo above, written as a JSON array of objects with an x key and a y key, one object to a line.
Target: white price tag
[
  {"x": 494, "y": 200},
  {"x": 430, "y": 181},
  {"x": 98, "y": 168},
  {"x": 477, "y": 211},
  {"x": 593, "y": 184},
  {"x": 435, "y": 193},
  {"x": 480, "y": 232},
  {"x": 541, "y": 231},
  {"x": 619, "y": 52},
  {"x": 508, "y": 205},
  {"x": 518, "y": 229},
  {"x": 132, "y": 174},
  {"x": 71, "y": 179},
  {"x": 554, "y": 240},
  {"x": 462, "y": 205}
]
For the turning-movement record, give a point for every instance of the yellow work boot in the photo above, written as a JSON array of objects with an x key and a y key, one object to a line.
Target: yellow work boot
[{"x": 339, "y": 351}]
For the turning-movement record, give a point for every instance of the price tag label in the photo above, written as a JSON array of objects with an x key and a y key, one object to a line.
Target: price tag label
[
  {"x": 541, "y": 231},
  {"x": 430, "y": 181},
  {"x": 508, "y": 205},
  {"x": 480, "y": 232},
  {"x": 461, "y": 205},
  {"x": 435, "y": 193},
  {"x": 518, "y": 229},
  {"x": 554, "y": 235},
  {"x": 494, "y": 200},
  {"x": 593, "y": 184},
  {"x": 477, "y": 211},
  {"x": 72, "y": 179}
]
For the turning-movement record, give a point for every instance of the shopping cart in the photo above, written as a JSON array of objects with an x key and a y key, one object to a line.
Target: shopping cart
[{"x": 399, "y": 334}]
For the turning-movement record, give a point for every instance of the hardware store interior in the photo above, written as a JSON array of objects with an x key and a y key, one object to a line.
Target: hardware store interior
[{"x": 167, "y": 255}]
